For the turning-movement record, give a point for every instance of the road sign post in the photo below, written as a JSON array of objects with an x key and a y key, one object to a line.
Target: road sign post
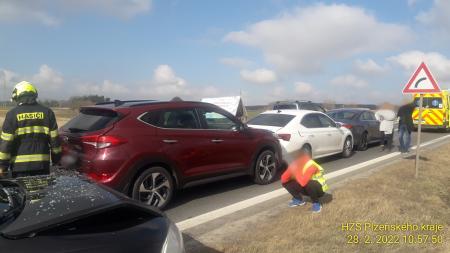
[
  {"x": 421, "y": 82},
  {"x": 419, "y": 130}
]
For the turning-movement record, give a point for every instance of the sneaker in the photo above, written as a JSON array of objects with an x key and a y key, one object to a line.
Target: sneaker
[
  {"x": 296, "y": 202},
  {"x": 316, "y": 207}
]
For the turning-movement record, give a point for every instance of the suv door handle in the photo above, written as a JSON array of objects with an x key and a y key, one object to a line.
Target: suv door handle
[
  {"x": 311, "y": 135},
  {"x": 170, "y": 141},
  {"x": 216, "y": 141}
]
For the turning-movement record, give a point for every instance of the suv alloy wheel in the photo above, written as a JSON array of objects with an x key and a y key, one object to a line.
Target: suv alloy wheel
[
  {"x": 266, "y": 166},
  {"x": 154, "y": 187}
]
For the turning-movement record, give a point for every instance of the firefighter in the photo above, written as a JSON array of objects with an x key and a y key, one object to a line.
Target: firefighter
[
  {"x": 304, "y": 177},
  {"x": 29, "y": 138}
]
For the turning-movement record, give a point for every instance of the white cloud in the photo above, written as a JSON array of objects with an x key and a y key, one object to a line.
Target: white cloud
[
  {"x": 48, "y": 78},
  {"x": 8, "y": 77},
  {"x": 348, "y": 81},
  {"x": 236, "y": 62},
  {"x": 166, "y": 84},
  {"x": 439, "y": 64},
  {"x": 48, "y": 81},
  {"x": 164, "y": 75},
  {"x": 303, "y": 40},
  {"x": 106, "y": 88},
  {"x": 437, "y": 17},
  {"x": 259, "y": 76},
  {"x": 369, "y": 67},
  {"x": 48, "y": 12},
  {"x": 25, "y": 11},
  {"x": 303, "y": 88}
]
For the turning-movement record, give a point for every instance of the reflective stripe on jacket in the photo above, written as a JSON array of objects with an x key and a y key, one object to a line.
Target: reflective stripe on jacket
[
  {"x": 303, "y": 170},
  {"x": 29, "y": 138}
]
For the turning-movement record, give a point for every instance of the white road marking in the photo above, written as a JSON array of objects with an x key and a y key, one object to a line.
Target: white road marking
[{"x": 212, "y": 215}]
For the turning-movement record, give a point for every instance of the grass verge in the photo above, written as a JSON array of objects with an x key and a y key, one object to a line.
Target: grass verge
[{"x": 389, "y": 197}]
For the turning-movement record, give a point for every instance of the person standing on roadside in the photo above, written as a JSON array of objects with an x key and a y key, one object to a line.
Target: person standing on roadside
[
  {"x": 29, "y": 137},
  {"x": 386, "y": 118},
  {"x": 304, "y": 177},
  {"x": 405, "y": 126}
]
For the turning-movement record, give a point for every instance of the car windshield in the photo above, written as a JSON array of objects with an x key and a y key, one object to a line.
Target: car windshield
[
  {"x": 277, "y": 120},
  {"x": 342, "y": 115},
  {"x": 434, "y": 102}
]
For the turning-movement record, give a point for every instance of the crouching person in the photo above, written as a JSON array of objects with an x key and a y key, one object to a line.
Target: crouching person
[{"x": 304, "y": 177}]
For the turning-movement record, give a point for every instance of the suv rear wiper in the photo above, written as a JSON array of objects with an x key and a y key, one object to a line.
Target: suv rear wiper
[{"x": 76, "y": 130}]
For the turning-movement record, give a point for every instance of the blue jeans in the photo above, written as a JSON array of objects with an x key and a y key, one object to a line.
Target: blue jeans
[{"x": 404, "y": 133}]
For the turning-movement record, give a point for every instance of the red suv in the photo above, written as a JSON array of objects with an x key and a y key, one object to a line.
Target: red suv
[{"x": 148, "y": 149}]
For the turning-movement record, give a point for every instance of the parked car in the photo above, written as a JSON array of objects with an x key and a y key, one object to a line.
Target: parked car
[
  {"x": 312, "y": 131},
  {"x": 148, "y": 149},
  {"x": 68, "y": 213},
  {"x": 363, "y": 124},
  {"x": 298, "y": 105}
]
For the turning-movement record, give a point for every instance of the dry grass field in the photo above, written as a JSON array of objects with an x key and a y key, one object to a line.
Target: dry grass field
[
  {"x": 389, "y": 197},
  {"x": 62, "y": 115}
]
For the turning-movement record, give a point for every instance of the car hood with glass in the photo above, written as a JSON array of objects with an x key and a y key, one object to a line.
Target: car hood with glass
[{"x": 46, "y": 201}]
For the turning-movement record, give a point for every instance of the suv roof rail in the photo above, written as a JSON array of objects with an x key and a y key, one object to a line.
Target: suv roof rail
[
  {"x": 293, "y": 101},
  {"x": 121, "y": 102}
]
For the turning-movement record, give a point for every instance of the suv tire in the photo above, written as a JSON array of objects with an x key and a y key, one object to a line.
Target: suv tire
[
  {"x": 266, "y": 167},
  {"x": 363, "y": 142},
  {"x": 154, "y": 186}
]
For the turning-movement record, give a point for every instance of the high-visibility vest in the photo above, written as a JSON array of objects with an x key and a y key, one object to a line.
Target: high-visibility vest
[
  {"x": 303, "y": 172},
  {"x": 318, "y": 176}
]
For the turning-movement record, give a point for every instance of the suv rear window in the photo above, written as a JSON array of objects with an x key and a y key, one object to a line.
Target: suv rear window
[
  {"x": 91, "y": 120},
  {"x": 342, "y": 114},
  {"x": 277, "y": 120},
  {"x": 285, "y": 107}
]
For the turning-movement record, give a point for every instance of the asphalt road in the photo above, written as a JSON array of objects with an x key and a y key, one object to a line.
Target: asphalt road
[{"x": 197, "y": 200}]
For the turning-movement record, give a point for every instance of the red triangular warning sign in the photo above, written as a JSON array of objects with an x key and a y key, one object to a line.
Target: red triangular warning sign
[{"x": 422, "y": 81}]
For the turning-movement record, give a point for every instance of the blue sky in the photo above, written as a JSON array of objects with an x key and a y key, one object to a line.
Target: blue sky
[{"x": 343, "y": 51}]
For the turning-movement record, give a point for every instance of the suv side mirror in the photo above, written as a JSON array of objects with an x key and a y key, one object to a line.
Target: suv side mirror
[
  {"x": 338, "y": 125},
  {"x": 239, "y": 127}
]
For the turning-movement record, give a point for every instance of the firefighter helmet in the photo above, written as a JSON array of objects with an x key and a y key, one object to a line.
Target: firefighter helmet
[{"x": 23, "y": 88}]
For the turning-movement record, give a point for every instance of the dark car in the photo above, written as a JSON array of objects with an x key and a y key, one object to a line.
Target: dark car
[
  {"x": 148, "y": 149},
  {"x": 68, "y": 213},
  {"x": 363, "y": 124},
  {"x": 298, "y": 105}
]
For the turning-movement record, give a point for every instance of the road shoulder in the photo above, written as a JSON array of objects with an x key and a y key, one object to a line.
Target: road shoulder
[{"x": 231, "y": 233}]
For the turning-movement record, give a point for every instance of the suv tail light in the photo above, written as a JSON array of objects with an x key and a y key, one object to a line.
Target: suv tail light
[
  {"x": 102, "y": 141},
  {"x": 284, "y": 137}
]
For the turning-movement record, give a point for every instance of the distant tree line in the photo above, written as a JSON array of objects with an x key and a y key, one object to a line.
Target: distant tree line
[{"x": 75, "y": 102}]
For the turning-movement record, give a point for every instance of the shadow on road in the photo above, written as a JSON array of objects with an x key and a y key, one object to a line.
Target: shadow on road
[
  {"x": 186, "y": 195},
  {"x": 412, "y": 157},
  {"x": 193, "y": 246}
]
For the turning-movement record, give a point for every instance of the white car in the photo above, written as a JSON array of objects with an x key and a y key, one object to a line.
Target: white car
[{"x": 313, "y": 131}]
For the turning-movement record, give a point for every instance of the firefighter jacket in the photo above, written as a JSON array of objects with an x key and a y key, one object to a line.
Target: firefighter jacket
[
  {"x": 29, "y": 138},
  {"x": 303, "y": 170}
]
